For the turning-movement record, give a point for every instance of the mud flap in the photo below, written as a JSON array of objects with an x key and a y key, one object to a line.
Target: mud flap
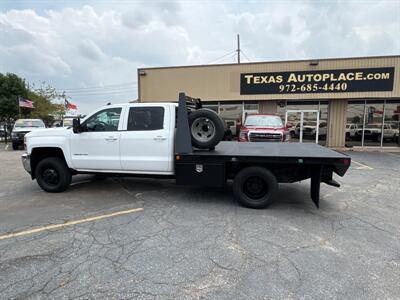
[{"x": 316, "y": 175}]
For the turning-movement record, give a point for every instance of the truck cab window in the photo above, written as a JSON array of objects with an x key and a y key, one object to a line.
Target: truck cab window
[
  {"x": 104, "y": 120},
  {"x": 146, "y": 118}
]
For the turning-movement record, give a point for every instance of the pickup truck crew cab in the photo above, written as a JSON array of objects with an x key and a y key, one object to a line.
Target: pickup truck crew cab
[{"x": 142, "y": 139}]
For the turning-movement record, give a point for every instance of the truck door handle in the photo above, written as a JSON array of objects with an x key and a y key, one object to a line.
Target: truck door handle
[
  {"x": 111, "y": 139},
  {"x": 160, "y": 138}
]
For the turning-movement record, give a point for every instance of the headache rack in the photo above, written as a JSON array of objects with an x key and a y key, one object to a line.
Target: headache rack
[{"x": 183, "y": 141}]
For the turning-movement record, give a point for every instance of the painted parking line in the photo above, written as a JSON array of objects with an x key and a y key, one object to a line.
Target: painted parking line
[
  {"x": 361, "y": 166},
  {"x": 69, "y": 223}
]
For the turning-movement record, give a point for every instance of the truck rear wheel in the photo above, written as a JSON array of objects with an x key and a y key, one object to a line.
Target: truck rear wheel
[
  {"x": 53, "y": 175},
  {"x": 254, "y": 187},
  {"x": 206, "y": 128}
]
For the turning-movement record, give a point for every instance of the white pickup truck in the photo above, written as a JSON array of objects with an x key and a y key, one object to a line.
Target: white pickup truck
[{"x": 163, "y": 140}]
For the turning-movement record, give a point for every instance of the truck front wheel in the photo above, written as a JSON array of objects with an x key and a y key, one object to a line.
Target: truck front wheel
[
  {"x": 53, "y": 175},
  {"x": 254, "y": 187}
]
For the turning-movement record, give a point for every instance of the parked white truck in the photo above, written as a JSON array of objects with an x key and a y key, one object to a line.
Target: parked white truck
[{"x": 163, "y": 140}]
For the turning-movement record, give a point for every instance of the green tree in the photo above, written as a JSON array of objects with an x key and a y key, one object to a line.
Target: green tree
[
  {"x": 48, "y": 103},
  {"x": 11, "y": 87}
]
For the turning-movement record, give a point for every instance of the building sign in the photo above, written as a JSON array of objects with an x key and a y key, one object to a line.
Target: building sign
[{"x": 329, "y": 81}]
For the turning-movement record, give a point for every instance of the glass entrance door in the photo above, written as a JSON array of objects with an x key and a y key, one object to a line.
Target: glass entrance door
[{"x": 304, "y": 125}]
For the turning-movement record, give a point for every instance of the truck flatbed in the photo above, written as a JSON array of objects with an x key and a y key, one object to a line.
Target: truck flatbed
[
  {"x": 272, "y": 150},
  {"x": 285, "y": 162}
]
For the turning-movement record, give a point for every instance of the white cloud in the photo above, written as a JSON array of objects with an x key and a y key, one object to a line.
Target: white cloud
[{"x": 101, "y": 43}]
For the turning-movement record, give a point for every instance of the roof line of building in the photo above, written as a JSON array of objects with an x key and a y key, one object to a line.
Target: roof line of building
[{"x": 271, "y": 62}]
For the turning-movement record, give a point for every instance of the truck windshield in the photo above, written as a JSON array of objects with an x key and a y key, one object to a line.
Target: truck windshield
[
  {"x": 266, "y": 121},
  {"x": 28, "y": 123}
]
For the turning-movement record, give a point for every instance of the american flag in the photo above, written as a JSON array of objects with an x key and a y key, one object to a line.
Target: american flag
[{"x": 25, "y": 103}]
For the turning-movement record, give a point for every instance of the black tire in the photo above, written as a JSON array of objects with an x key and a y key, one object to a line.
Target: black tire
[
  {"x": 254, "y": 187},
  {"x": 53, "y": 175},
  {"x": 15, "y": 146},
  {"x": 206, "y": 128}
]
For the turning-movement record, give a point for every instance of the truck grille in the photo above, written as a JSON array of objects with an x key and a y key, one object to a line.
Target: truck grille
[
  {"x": 21, "y": 134},
  {"x": 265, "y": 137}
]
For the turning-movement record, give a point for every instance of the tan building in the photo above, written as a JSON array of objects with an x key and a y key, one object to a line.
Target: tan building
[{"x": 352, "y": 102}]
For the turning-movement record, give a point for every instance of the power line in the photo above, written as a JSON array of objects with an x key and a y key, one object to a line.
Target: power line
[
  {"x": 244, "y": 54},
  {"x": 102, "y": 91},
  {"x": 234, "y": 57},
  {"x": 111, "y": 86},
  {"x": 221, "y": 57}
]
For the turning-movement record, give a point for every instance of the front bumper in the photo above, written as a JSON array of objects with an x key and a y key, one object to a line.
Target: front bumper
[
  {"x": 26, "y": 162},
  {"x": 17, "y": 140}
]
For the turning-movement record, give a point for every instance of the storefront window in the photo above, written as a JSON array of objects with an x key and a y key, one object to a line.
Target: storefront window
[
  {"x": 354, "y": 125},
  {"x": 391, "y": 124},
  {"x": 232, "y": 116},
  {"x": 309, "y": 119},
  {"x": 323, "y": 122},
  {"x": 373, "y": 123},
  {"x": 281, "y": 109},
  {"x": 249, "y": 108}
]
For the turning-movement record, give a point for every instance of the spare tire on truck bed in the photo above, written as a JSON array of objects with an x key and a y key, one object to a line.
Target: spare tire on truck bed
[{"x": 206, "y": 128}]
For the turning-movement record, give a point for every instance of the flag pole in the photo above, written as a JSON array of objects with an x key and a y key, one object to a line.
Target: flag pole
[{"x": 19, "y": 108}]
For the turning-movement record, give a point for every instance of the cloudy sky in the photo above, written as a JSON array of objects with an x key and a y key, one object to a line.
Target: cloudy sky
[{"x": 92, "y": 49}]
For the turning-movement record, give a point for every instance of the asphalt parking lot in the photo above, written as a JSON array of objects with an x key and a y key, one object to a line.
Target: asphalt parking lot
[{"x": 124, "y": 238}]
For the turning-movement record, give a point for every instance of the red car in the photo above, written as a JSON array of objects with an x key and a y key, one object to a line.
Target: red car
[{"x": 263, "y": 128}]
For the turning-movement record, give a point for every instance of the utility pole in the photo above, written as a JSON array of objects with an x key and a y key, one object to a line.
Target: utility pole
[{"x": 238, "y": 49}]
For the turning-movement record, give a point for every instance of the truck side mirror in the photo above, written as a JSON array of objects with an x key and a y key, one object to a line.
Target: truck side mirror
[{"x": 76, "y": 125}]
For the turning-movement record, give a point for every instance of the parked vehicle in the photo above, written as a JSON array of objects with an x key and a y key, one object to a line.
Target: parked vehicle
[
  {"x": 309, "y": 129},
  {"x": 155, "y": 140},
  {"x": 389, "y": 133},
  {"x": 2, "y": 132},
  {"x": 351, "y": 131},
  {"x": 65, "y": 122},
  {"x": 374, "y": 132},
  {"x": 291, "y": 126},
  {"x": 263, "y": 128},
  {"x": 22, "y": 127}
]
